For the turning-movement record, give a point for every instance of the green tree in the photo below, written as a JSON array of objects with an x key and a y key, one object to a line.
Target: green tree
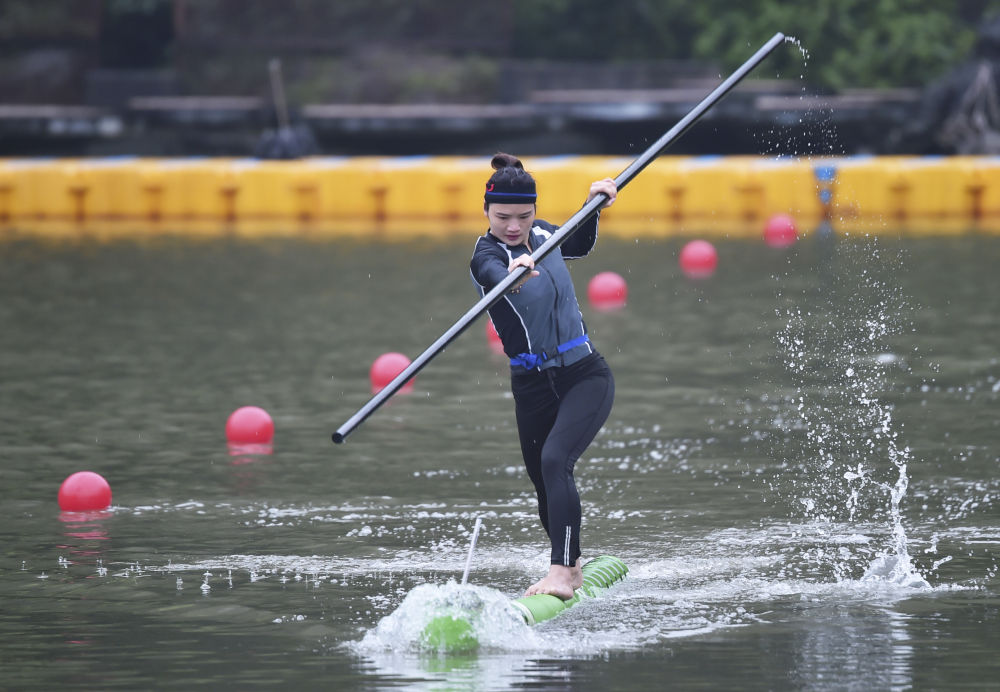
[
  {"x": 850, "y": 43},
  {"x": 593, "y": 30}
]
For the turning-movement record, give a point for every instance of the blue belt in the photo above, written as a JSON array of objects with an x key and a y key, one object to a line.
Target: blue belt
[{"x": 533, "y": 360}]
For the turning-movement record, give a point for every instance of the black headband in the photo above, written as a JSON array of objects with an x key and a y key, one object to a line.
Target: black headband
[{"x": 526, "y": 194}]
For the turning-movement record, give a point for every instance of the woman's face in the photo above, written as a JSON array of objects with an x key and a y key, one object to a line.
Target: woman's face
[{"x": 511, "y": 222}]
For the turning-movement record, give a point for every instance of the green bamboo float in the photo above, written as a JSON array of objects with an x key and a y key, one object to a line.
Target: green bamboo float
[
  {"x": 598, "y": 575},
  {"x": 456, "y": 632}
]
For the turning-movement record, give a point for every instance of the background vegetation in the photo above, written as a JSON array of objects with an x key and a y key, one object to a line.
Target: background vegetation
[
  {"x": 851, "y": 43},
  {"x": 455, "y": 50}
]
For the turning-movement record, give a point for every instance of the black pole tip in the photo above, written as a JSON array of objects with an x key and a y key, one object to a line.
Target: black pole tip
[{"x": 338, "y": 438}]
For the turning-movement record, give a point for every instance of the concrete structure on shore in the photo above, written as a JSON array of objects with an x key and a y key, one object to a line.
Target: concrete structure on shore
[{"x": 757, "y": 117}]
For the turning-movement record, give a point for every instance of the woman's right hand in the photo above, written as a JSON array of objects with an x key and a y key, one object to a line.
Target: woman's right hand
[{"x": 522, "y": 261}]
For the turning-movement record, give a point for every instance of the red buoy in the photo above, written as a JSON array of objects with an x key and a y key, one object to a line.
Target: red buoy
[
  {"x": 84, "y": 491},
  {"x": 384, "y": 370},
  {"x": 607, "y": 291},
  {"x": 249, "y": 425},
  {"x": 492, "y": 338},
  {"x": 698, "y": 259},
  {"x": 780, "y": 231}
]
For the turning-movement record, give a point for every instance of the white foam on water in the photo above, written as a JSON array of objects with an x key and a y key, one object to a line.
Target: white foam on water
[
  {"x": 897, "y": 570},
  {"x": 726, "y": 579},
  {"x": 402, "y": 562},
  {"x": 495, "y": 623}
]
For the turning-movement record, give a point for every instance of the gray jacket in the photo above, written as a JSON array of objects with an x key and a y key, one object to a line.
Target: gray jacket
[{"x": 544, "y": 315}]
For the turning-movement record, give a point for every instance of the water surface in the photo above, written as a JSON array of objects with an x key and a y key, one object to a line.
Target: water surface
[{"x": 800, "y": 468}]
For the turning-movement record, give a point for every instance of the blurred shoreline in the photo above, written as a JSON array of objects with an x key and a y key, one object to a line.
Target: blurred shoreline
[{"x": 757, "y": 118}]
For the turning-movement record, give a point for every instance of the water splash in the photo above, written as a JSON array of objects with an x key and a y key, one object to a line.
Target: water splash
[
  {"x": 494, "y": 623},
  {"x": 804, "y": 127},
  {"x": 839, "y": 351},
  {"x": 802, "y": 49}
]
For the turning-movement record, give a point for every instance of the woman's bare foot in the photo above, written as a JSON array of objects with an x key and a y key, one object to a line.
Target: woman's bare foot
[{"x": 561, "y": 581}]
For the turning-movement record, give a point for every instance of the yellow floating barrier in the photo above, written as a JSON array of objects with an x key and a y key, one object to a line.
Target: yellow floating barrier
[
  {"x": 656, "y": 198},
  {"x": 919, "y": 194},
  {"x": 791, "y": 186},
  {"x": 458, "y": 194},
  {"x": 406, "y": 188},
  {"x": 981, "y": 186},
  {"x": 865, "y": 188},
  {"x": 389, "y": 197},
  {"x": 264, "y": 189},
  {"x": 40, "y": 189},
  {"x": 347, "y": 188},
  {"x": 188, "y": 190},
  {"x": 562, "y": 182}
]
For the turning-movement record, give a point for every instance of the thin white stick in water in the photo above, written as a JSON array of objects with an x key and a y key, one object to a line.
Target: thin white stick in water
[{"x": 472, "y": 548}]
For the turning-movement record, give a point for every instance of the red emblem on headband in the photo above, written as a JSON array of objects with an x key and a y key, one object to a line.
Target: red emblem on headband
[{"x": 489, "y": 187}]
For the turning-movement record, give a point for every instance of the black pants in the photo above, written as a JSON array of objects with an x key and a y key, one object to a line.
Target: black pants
[{"x": 559, "y": 412}]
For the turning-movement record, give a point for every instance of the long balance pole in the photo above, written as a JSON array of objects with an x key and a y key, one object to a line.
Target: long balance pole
[{"x": 556, "y": 239}]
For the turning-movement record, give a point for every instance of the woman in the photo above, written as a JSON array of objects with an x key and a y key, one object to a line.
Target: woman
[{"x": 563, "y": 389}]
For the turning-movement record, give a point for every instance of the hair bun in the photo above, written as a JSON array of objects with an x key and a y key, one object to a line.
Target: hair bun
[{"x": 502, "y": 160}]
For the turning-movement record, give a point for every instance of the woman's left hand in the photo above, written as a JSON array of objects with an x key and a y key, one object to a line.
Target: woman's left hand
[{"x": 607, "y": 187}]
